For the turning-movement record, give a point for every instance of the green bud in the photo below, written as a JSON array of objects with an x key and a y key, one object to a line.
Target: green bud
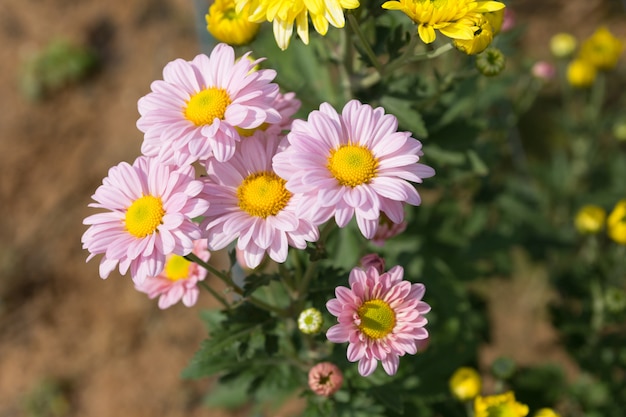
[
  {"x": 503, "y": 368},
  {"x": 490, "y": 62},
  {"x": 310, "y": 321}
]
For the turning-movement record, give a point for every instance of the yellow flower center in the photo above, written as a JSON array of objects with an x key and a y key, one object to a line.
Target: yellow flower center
[
  {"x": 144, "y": 216},
  {"x": 352, "y": 165},
  {"x": 177, "y": 267},
  {"x": 263, "y": 194},
  {"x": 207, "y": 105},
  {"x": 377, "y": 319},
  {"x": 249, "y": 132}
]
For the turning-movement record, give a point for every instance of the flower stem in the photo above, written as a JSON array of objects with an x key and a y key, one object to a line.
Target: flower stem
[
  {"x": 229, "y": 282},
  {"x": 354, "y": 25},
  {"x": 408, "y": 57},
  {"x": 215, "y": 294}
]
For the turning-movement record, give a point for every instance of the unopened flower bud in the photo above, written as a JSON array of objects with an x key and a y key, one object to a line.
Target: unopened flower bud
[
  {"x": 546, "y": 412},
  {"x": 562, "y": 45},
  {"x": 590, "y": 219},
  {"x": 325, "y": 379},
  {"x": 465, "y": 383},
  {"x": 310, "y": 321},
  {"x": 543, "y": 70},
  {"x": 374, "y": 260},
  {"x": 490, "y": 62}
]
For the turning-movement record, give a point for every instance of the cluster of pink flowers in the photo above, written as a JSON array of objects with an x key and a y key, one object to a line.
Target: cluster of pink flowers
[{"x": 224, "y": 161}]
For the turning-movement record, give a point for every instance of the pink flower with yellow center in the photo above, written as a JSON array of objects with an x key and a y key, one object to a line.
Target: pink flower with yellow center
[
  {"x": 353, "y": 164},
  {"x": 195, "y": 111},
  {"x": 179, "y": 279},
  {"x": 381, "y": 316},
  {"x": 150, "y": 207},
  {"x": 250, "y": 203}
]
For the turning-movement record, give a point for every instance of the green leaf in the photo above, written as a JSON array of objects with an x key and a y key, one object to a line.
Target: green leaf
[
  {"x": 408, "y": 117},
  {"x": 255, "y": 281}
]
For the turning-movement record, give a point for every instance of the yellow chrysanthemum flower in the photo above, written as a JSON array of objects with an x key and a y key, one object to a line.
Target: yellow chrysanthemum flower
[
  {"x": 602, "y": 49},
  {"x": 501, "y": 405},
  {"x": 453, "y": 18},
  {"x": 590, "y": 219},
  {"x": 580, "y": 73},
  {"x": 283, "y": 14},
  {"x": 229, "y": 25},
  {"x": 465, "y": 383},
  {"x": 483, "y": 35},
  {"x": 616, "y": 223}
]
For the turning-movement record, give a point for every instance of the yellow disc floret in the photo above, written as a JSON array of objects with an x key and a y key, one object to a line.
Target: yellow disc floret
[
  {"x": 352, "y": 165},
  {"x": 177, "y": 267},
  {"x": 377, "y": 319},
  {"x": 263, "y": 194},
  {"x": 144, "y": 216},
  {"x": 206, "y": 106}
]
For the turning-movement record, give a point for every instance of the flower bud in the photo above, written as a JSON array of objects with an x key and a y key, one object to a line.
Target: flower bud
[
  {"x": 465, "y": 383},
  {"x": 310, "y": 321},
  {"x": 616, "y": 223},
  {"x": 562, "y": 45},
  {"x": 543, "y": 70},
  {"x": 374, "y": 260},
  {"x": 590, "y": 219},
  {"x": 490, "y": 62},
  {"x": 325, "y": 379},
  {"x": 546, "y": 412}
]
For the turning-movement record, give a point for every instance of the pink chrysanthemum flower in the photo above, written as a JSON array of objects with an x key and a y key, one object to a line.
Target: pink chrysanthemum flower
[
  {"x": 325, "y": 379},
  {"x": 250, "y": 203},
  {"x": 353, "y": 164},
  {"x": 179, "y": 279},
  {"x": 150, "y": 206},
  {"x": 194, "y": 112},
  {"x": 381, "y": 316},
  {"x": 287, "y": 105}
]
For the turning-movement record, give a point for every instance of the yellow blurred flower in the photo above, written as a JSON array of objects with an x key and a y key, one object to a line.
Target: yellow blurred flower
[
  {"x": 546, "y": 412},
  {"x": 465, "y": 383},
  {"x": 285, "y": 13},
  {"x": 590, "y": 219},
  {"x": 231, "y": 26},
  {"x": 483, "y": 35},
  {"x": 581, "y": 74},
  {"x": 562, "y": 45},
  {"x": 453, "y": 19},
  {"x": 602, "y": 49},
  {"x": 501, "y": 405},
  {"x": 616, "y": 223}
]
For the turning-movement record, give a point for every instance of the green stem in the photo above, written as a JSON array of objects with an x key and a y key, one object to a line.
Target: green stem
[
  {"x": 230, "y": 284},
  {"x": 407, "y": 57},
  {"x": 354, "y": 25},
  {"x": 215, "y": 294}
]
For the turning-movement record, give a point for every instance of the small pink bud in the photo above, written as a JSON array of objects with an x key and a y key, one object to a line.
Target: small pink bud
[
  {"x": 374, "y": 260},
  {"x": 543, "y": 70},
  {"x": 325, "y": 379}
]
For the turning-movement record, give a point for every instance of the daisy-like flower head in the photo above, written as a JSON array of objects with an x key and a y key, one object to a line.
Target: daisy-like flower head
[
  {"x": 150, "y": 207},
  {"x": 228, "y": 25},
  {"x": 179, "y": 279},
  {"x": 353, "y": 164},
  {"x": 602, "y": 49},
  {"x": 251, "y": 204},
  {"x": 381, "y": 316},
  {"x": 502, "y": 405},
  {"x": 483, "y": 35},
  {"x": 590, "y": 219},
  {"x": 283, "y": 14},
  {"x": 194, "y": 112},
  {"x": 453, "y": 18},
  {"x": 325, "y": 379}
]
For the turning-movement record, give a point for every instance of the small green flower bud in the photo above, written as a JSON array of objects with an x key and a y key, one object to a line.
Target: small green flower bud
[
  {"x": 490, "y": 62},
  {"x": 503, "y": 368},
  {"x": 310, "y": 321}
]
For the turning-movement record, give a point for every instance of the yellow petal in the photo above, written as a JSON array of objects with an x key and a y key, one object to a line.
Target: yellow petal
[
  {"x": 392, "y": 5},
  {"x": 427, "y": 33}
]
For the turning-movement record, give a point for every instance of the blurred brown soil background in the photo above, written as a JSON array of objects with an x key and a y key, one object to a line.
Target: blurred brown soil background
[{"x": 107, "y": 347}]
